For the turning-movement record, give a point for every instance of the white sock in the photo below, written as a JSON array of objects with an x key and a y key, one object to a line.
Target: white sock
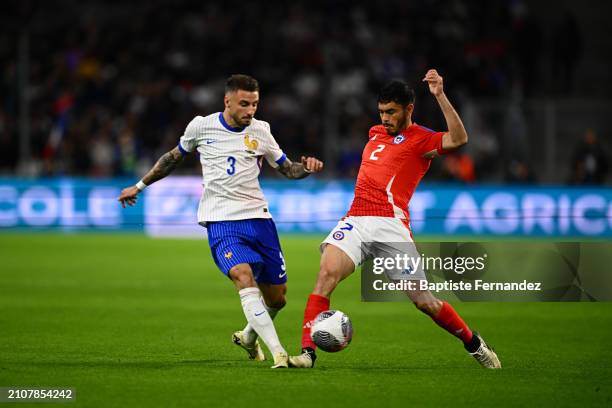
[
  {"x": 248, "y": 333},
  {"x": 259, "y": 318}
]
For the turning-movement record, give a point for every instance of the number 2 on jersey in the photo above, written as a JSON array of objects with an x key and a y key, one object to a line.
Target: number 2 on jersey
[
  {"x": 232, "y": 165},
  {"x": 379, "y": 149}
]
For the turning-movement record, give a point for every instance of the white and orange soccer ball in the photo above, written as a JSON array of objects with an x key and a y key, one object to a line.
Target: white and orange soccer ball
[{"x": 331, "y": 331}]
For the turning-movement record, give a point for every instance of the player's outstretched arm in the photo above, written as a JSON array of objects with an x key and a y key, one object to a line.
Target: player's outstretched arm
[
  {"x": 294, "y": 170},
  {"x": 456, "y": 135},
  {"x": 164, "y": 166}
]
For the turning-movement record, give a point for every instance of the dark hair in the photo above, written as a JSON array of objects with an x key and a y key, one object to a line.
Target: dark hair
[
  {"x": 241, "y": 82},
  {"x": 396, "y": 91}
]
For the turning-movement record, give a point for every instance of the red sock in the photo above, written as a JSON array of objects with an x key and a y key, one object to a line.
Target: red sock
[
  {"x": 450, "y": 321},
  {"x": 315, "y": 305}
]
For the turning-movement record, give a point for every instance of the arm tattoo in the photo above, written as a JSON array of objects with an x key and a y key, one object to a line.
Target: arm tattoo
[
  {"x": 164, "y": 166},
  {"x": 293, "y": 170}
]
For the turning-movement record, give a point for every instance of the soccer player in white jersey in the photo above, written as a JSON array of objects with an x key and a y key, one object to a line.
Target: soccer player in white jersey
[{"x": 242, "y": 236}]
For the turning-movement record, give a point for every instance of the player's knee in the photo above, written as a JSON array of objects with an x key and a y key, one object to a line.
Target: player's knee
[
  {"x": 277, "y": 303},
  {"x": 327, "y": 280},
  {"x": 429, "y": 307},
  {"x": 242, "y": 276},
  {"x": 329, "y": 275}
]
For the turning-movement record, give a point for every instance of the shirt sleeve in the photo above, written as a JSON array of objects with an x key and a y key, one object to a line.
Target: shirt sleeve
[
  {"x": 433, "y": 141},
  {"x": 272, "y": 152},
  {"x": 189, "y": 141}
]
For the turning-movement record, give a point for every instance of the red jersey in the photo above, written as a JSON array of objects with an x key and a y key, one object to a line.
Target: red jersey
[{"x": 391, "y": 168}]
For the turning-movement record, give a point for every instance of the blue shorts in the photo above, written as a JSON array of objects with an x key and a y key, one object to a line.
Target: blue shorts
[{"x": 254, "y": 242}]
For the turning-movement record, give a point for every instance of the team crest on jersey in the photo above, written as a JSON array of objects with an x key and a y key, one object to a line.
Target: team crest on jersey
[
  {"x": 251, "y": 144},
  {"x": 398, "y": 139},
  {"x": 338, "y": 235},
  {"x": 228, "y": 255}
]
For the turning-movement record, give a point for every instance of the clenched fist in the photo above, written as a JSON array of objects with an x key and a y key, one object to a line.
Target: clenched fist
[{"x": 312, "y": 164}]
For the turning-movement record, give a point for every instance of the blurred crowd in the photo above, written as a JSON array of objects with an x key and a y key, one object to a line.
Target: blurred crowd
[{"x": 113, "y": 85}]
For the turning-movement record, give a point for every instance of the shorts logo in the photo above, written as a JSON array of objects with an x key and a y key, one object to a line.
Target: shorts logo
[
  {"x": 338, "y": 235},
  {"x": 398, "y": 139},
  {"x": 228, "y": 255}
]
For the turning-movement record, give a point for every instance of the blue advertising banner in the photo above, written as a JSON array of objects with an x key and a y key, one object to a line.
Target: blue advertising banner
[
  {"x": 169, "y": 207},
  {"x": 65, "y": 204},
  {"x": 514, "y": 211}
]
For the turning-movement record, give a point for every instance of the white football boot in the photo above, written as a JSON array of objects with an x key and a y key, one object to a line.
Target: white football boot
[
  {"x": 304, "y": 360},
  {"x": 254, "y": 350},
  {"x": 281, "y": 360},
  {"x": 485, "y": 354}
]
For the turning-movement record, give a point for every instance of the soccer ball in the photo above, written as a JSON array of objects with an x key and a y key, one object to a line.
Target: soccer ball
[{"x": 331, "y": 331}]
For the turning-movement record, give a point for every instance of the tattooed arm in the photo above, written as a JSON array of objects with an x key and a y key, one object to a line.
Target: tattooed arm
[
  {"x": 296, "y": 171},
  {"x": 164, "y": 166}
]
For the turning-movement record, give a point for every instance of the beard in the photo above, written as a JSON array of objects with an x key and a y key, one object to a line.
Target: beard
[
  {"x": 241, "y": 121},
  {"x": 397, "y": 129}
]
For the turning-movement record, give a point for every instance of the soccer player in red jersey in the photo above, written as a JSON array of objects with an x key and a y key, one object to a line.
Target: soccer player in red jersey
[{"x": 396, "y": 157}]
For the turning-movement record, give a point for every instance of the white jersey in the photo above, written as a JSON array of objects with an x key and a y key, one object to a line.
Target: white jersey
[{"x": 231, "y": 162}]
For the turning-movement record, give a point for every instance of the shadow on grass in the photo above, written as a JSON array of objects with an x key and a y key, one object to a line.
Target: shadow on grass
[
  {"x": 230, "y": 363},
  {"x": 119, "y": 364}
]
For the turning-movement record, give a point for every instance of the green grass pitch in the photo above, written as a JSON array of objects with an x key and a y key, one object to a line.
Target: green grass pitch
[{"x": 133, "y": 321}]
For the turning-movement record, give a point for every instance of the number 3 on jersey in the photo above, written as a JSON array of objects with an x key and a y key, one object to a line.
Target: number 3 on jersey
[
  {"x": 232, "y": 165},
  {"x": 379, "y": 149}
]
